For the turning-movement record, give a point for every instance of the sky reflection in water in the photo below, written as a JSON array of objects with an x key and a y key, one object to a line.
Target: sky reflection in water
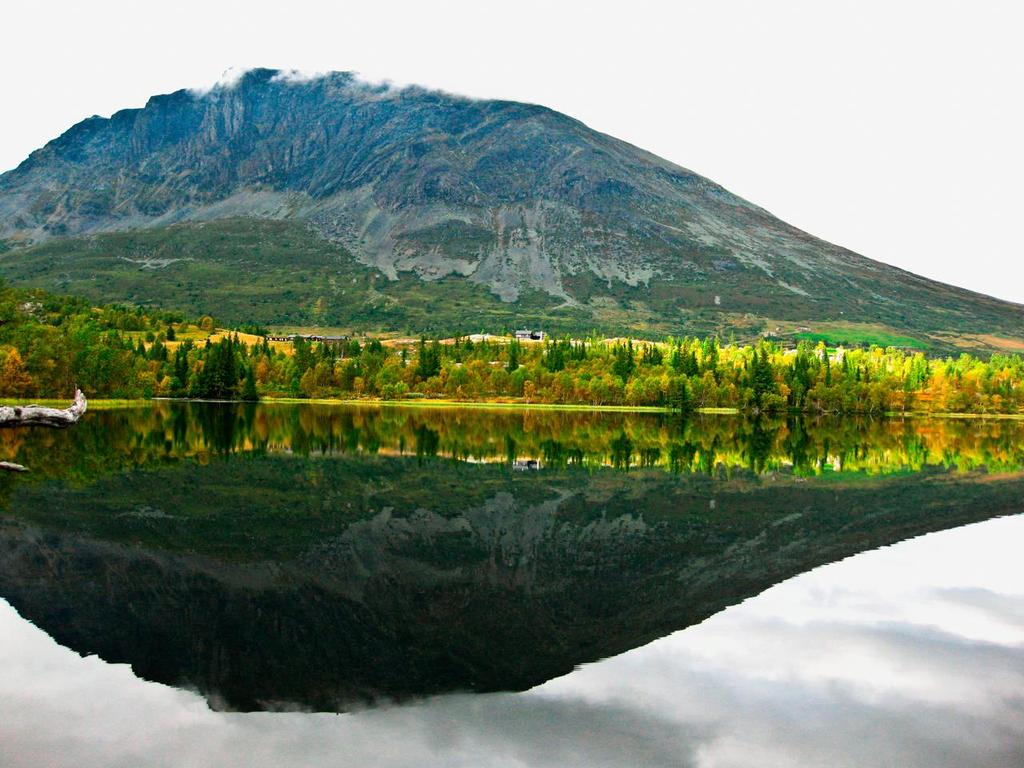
[{"x": 912, "y": 655}]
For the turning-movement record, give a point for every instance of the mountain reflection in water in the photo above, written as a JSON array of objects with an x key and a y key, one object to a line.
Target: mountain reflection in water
[{"x": 320, "y": 557}]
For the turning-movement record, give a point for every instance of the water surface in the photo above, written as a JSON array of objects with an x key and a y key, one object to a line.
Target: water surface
[{"x": 210, "y": 584}]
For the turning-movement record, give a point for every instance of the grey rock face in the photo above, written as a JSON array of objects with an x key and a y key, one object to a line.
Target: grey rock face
[{"x": 512, "y": 194}]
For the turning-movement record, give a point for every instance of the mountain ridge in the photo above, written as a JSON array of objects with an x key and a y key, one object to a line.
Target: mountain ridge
[{"x": 416, "y": 184}]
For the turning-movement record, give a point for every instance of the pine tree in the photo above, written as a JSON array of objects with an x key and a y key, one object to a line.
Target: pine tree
[
  {"x": 625, "y": 361},
  {"x": 513, "y": 356},
  {"x": 709, "y": 355},
  {"x": 762, "y": 379},
  {"x": 249, "y": 393},
  {"x": 652, "y": 355},
  {"x": 429, "y": 362},
  {"x": 554, "y": 356},
  {"x": 181, "y": 370},
  {"x": 679, "y": 395}
]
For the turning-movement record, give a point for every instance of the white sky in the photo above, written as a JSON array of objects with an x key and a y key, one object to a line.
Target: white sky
[{"x": 892, "y": 128}]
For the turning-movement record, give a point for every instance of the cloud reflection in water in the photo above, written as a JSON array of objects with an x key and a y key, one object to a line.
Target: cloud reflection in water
[{"x": 912, "y": 655}]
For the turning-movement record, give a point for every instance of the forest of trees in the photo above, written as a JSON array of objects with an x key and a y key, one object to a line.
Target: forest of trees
[
  {"x": 679, "y": 374},
  {"x": 49, "y": 344}
]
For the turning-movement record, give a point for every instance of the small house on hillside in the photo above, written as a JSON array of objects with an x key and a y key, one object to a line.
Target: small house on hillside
[
  {"x": 329, "y": 340},
  {"x": 528, "y": 335}
]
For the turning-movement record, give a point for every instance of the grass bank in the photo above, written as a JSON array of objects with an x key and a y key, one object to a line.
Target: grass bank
[
  {"x": 488, "y": 405},
  {"x": 505, "y": 405},
  {"x": 98, "y": 404},
  {"x": 102, "y": 404}
]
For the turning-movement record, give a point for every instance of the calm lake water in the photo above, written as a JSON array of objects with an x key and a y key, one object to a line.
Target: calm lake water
[{"x": 291, "y": 585}]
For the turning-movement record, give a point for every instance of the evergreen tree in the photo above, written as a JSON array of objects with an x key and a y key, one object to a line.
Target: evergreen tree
[
  {"x": 652, "y": 355},
  {"x": 219, "y": 376},
  {"x": 625, "y": 361},
  {"x": 679, "y": 395},
  {"x": 180, "y": 368},
  {"x": 429, "y": 362},
  {"x": 303, "y": 354},
  {"x": 709, "y": 355},
  {"x": 554, "y": 355},
  {"x": 798, "y": 377},
  {"x": 249, "y": 392},
  {"x": 513, "y": 356},
  {"x": 762, "y": 379}
]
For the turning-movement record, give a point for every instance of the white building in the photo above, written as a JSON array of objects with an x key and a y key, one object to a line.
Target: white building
[{"x": 528, "y": 335}]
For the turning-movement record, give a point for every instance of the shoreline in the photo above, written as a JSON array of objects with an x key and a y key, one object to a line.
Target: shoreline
[
  {"x": 497, "y": 406},
  {"x": 104, "y": 404}
]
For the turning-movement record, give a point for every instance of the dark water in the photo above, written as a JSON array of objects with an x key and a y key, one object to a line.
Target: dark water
[{"x": 213, "y": 585}]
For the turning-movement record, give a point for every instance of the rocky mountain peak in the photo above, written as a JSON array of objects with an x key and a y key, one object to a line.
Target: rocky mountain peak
[{"x": 516, "y": 198}]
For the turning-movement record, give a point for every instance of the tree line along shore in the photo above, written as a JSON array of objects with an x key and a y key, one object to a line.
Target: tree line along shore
[{"x": 51, "y": 344}]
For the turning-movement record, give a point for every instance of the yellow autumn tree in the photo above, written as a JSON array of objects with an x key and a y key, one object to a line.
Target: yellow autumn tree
[{"x": 15, "y": 381}]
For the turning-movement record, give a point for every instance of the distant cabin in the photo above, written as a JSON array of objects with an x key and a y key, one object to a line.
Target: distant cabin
[
  {"x": 528, "y": 335},
  {"x": 329, "y": 340}
]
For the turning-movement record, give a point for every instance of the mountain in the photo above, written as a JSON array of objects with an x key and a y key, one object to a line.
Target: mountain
[{"x": 330, "y": 201}]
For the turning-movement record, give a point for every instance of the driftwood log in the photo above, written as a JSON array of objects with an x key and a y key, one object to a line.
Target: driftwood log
[{"x": 39, "y": 416}]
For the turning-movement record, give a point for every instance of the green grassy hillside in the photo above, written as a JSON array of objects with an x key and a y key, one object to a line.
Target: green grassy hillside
[
  {"x": 283, "y": 273},
  {"x": 270, "y": 272}
]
